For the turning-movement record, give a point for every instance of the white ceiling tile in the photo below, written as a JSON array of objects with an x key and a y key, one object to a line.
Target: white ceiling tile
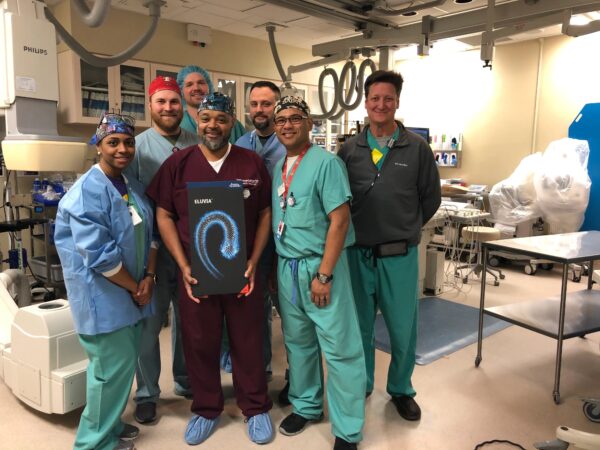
[
  {"x": 276, "y": 13},
  {"x": 199, "y": 17},
  {"x": 218, "y": 10},
  {"x": 238, "y": 5}
]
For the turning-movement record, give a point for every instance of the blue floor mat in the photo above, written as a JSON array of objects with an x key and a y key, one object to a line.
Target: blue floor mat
[{"x": 444, "y": 327}]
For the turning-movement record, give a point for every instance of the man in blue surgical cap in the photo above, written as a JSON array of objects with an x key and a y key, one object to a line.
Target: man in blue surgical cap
[{"x": 195, "y": 84}]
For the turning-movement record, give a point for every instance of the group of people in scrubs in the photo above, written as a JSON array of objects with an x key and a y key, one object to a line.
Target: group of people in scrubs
[{"x": 340, "y": 233}]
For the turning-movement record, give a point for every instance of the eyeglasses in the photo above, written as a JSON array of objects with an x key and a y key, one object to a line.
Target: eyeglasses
[{"x": 294, "y": 120}]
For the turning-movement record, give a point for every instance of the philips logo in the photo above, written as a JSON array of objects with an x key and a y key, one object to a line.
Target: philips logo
[
  {"x": 400, "y": 164},
  {"x": 37, "y": 51},
  {"x": 202, "y": 201}
]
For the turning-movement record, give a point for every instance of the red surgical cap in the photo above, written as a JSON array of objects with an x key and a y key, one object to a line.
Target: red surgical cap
[{"x": 163, "y": 84}]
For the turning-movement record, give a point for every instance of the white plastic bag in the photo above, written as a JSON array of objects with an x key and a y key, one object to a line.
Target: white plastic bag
[
  {"x": 513, "y": 200},
  {"x": 563, "y": 185}
]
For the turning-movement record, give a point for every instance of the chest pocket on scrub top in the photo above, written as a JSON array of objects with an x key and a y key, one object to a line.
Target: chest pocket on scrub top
[{"x": 301, "y": 215}]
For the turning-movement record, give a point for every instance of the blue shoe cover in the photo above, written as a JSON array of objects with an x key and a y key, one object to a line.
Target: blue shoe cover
[
  {"x": 199, "y": 429},
  {"x": 260, "y": 428},
  {"x": 226, "y": 361}
]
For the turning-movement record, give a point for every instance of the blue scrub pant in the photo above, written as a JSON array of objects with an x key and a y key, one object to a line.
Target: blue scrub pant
[
  {"x": 389, "y": 284},
  {"x": 335, "y": 330},
  {"x": 149, "y": 366},
  {"x": 109, "y": 378}
]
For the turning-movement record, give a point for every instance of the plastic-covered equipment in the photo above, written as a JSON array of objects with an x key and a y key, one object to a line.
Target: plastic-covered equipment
[
  {"x": 513, "y": 200},
  {"x": 554, "y": 185},
  {"x": 562, "y": 184}
]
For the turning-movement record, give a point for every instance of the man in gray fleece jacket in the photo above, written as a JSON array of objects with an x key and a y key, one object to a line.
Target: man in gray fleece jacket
[{"x": 396, "y": 189}]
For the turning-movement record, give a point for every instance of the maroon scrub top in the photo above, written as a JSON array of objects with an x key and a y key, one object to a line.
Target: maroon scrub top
[{"x": 168, "y": 187}]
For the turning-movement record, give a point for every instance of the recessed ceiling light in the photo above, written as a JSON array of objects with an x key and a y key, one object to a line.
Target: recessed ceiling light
[
  {"x": 461, "y": 2},
  {"x": 409, "y": 14}
]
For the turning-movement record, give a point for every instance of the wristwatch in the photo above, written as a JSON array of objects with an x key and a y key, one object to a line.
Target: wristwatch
[
  {"x": 322, "y": 278},
  {"x": 151, "y": 275}
]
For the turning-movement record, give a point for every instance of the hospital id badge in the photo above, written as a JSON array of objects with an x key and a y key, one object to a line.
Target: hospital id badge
[
  {"x": 280, "y": 229},
  {"x": 135, "y": 217},
  {"x": 280, "y": 190}
]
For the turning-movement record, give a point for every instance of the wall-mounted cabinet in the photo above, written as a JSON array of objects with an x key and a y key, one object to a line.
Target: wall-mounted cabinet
[
  {"x": 87, "y": 91},
  {"x": 232, "y": 86},
  {"x": 163, "y": 70},
  {"x": 324, "y": 132}
]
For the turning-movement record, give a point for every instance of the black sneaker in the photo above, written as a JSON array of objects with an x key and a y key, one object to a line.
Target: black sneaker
[
  {"x": 145, "y": 412},
  {"x": 129, "y": 432},
  {"x": 341, "y": 444},
  {"x": 407, "y": 407},
  {"x": 125, "y": 445},
  {"x": 283, "y": 398},
  {"x": 295, "y": 424}
]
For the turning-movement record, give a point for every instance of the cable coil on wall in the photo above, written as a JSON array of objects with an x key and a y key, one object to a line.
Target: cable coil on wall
[{"x": 340, "y": 100}]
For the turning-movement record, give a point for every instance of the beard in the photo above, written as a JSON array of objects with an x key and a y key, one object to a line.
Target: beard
[
  {"x": 165, "y": 123},
  {"x": 215, "y": 144},
  {"x": 261, "y": 126}
]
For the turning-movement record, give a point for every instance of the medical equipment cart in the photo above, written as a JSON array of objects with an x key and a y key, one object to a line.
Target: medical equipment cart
[{"x": 554, "y": 317}]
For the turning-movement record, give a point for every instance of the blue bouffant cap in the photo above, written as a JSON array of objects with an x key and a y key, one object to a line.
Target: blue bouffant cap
[
  {"x": 111, "y": 123},
  {"x": 183, "y": 73},
  {"x": 217, "y": 102}
]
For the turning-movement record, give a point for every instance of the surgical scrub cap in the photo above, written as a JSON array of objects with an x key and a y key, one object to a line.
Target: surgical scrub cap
[
  {"x": 217, "y": 102},
  {"x": 163, "y": 84},
  {"x": 292, "y": 101},
  {"x": 112, "y": 123},
  {"x": 183, "y": 73}
]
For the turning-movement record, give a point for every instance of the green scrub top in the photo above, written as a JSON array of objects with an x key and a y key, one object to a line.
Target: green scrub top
[
  {"x": 378, "y": 154},
  {"x": 139, "y": 234},
  {"x": 319, "y": 186}
]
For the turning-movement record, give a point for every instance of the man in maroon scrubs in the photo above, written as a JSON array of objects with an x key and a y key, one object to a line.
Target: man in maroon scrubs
[{"x": 215, "y": 159}]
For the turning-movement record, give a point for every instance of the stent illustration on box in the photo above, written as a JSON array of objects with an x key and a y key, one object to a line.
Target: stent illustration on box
[{"x": 218, "y": 237}]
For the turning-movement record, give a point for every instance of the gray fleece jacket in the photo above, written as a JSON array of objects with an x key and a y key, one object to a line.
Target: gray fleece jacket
[{"x": 393, "y": 203}]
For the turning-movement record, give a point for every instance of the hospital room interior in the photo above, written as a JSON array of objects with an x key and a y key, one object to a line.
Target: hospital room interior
[{"x": 504, "y": 92}]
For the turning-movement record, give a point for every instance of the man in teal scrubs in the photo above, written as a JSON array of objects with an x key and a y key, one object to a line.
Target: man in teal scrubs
[
  {"x": 396, "y": 189},
  {"x": 311, "y": 223}
]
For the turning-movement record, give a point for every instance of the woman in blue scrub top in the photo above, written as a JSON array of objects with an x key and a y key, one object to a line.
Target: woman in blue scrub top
[{"x": 103, "y": 237}]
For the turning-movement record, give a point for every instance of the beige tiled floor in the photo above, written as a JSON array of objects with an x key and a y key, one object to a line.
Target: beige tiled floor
[{"x": 507, "y": 397}]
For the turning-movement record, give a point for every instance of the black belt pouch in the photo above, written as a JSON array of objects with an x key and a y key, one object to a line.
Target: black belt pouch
[{"x": 395, "y": 248}]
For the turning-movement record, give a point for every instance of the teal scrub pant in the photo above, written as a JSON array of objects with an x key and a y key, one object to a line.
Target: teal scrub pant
[
  {"x": 149, "y": 366},
  {"x": 110, "y": 372},
  {"x": 389, "y": 284},
  {"x": 334, "y": 330}
]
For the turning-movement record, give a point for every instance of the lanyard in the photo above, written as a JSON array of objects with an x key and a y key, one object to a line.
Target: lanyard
[
  {"x": 287, "y": 179},
  {"x": 378, "y": 155}
]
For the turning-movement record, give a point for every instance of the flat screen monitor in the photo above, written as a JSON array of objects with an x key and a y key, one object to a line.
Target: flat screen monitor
[{"x": 421, "y": 131}]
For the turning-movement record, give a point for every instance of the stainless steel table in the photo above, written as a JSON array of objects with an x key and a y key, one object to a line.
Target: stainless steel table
[{"x": 553, "y": 317}]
